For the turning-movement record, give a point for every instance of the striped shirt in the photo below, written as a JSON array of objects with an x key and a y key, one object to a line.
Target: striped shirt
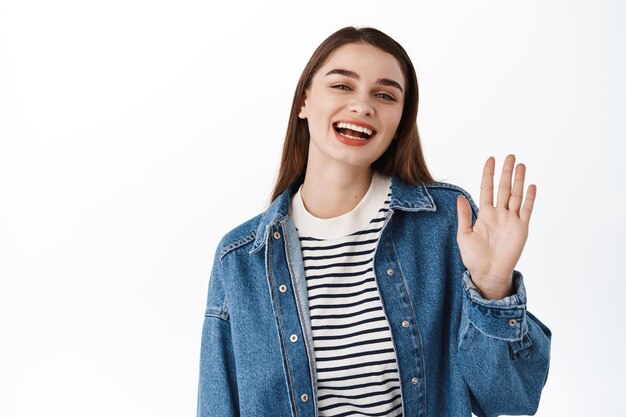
[{"x": 357, "y": 372}]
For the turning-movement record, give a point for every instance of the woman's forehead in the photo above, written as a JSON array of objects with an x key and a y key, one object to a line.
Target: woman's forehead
[{"x": 364, "y": 60}]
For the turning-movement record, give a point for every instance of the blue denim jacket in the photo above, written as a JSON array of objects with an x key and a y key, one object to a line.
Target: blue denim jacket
[{"x": 457, "y": 352}]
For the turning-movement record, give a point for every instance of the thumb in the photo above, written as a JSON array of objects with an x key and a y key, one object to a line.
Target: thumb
[{"x": 464, "y": 214}]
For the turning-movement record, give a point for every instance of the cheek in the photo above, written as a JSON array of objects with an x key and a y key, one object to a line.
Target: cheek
[
  {"x": 397, "y": 116},
  {"x": 323, "y": 115},
  {"x": 392, "y": 119}
]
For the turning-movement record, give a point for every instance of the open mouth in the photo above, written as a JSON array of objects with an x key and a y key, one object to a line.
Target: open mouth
[{"x": 351, "y": 131}]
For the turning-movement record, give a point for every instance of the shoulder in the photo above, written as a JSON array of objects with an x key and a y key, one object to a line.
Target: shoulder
[{"x": 239, "y": 236}]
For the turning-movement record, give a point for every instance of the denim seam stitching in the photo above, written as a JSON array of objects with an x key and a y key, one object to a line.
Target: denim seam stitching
[
  {"x": 463, "y": 333},
  {"x": 238, "y": 243},
  {"x": 506, "y": 339},
  {"x": 282, "y": 335},
  {"x": 516, "y": 355},
  {"x": 380, "y": 240},
  {"x": 312, "y": 366},
  {"x": 419, "y": 334},
  {"x": 219, "y": 314}
]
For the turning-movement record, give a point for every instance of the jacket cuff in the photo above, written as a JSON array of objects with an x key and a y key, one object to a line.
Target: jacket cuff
[{"x": 503, "y": 318}]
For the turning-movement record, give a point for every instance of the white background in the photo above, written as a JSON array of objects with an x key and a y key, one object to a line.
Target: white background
[{"x": 134, "y": 134}]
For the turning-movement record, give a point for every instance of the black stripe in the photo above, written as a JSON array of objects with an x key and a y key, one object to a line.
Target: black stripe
[
  {"x": 356, "y": 303},
  {"x": 366, "y": 231},
  {"x": 344, "y": 378},
  {"x": 339, "y": 264},
  {"x": 364, "y": 395},
  {"x": 357, "y": 386},
  {"x": 340, "y": 274},
  {"x": 348, "y": 335},
  {"x": 341, "y": 316},
  {"x": 376, "y": 404},
  {"x": 348, "y": 325},
  {"x": 352, "y": 294},
  {"x": 355, "y": 365},
  {"x": 354, "y": 355},
  {"x": 346, "y": 285},
  {"x": 310, "y": 238},
  {"x": 362, "y": 413},
  {"x": 339, "y": 245},
  {"x": 349, "y": 345},
  {"x": 339, "y": 255}
]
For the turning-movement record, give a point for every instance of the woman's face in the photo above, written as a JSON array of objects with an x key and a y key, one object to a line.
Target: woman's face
[{"x": 360, "y": 86}]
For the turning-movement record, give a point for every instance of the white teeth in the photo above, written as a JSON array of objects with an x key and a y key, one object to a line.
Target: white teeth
[
  {"x": 355, "y": 128},
  {"x": 352, "y": 137}
]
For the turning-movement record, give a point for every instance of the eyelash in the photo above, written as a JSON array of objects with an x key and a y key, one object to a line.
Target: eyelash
[{"x": 391, "y": 98}]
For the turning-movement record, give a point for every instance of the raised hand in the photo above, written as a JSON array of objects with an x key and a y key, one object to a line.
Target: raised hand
[{"x": 491, "y": 248}]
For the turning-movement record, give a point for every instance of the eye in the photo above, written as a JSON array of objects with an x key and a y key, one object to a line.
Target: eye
[
  {"x": 338, "y": 87},
  {"x": 386, "y": 96}
]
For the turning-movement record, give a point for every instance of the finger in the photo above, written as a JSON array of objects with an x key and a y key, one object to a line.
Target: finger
[
  {"x": 464, "y": 214},
  {"x": 518, "y": 189},
  {"x": 486, "y": 185},
  {"x": 527, "y": 209},
  {"x": 504, "y": 189}
]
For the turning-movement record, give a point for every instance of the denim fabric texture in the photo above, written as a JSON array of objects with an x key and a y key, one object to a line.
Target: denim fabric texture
[{"x": 457, "y": 352}]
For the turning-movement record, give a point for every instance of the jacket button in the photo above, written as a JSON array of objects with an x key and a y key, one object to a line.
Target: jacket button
[
  {"x": 389, "y": 271},
  {"x": 276, "y": 235},
  {"x": 414, "y": 380},
  {"x": 405, "y": 323},
  {"x": 304, "y": 397},
  {"x": 282, "y": 288},
  {"x": 293, "y": 337},
  {"x": 512, "y": 322}
]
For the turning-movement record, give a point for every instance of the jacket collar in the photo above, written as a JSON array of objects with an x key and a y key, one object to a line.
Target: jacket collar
[{"x": 403, "y": 197}]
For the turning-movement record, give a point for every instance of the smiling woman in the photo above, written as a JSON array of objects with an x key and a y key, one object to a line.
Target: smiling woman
[
  {"x": 366, "y": 287},
  {"x": 354, "y": 87}
]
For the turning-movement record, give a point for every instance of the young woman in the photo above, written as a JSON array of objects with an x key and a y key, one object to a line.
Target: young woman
[{"x": 367, "y": 288}]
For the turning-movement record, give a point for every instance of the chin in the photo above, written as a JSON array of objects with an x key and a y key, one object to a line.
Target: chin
[{"x": 355, "y": 161}]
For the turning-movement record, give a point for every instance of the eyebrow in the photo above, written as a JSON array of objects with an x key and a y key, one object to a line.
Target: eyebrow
[{"x": 381, "y": 81}]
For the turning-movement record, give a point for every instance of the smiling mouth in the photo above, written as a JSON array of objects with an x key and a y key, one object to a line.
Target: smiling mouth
[{"x": 349, "y": 131}]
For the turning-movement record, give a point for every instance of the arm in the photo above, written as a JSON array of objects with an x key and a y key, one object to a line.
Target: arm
[
  {"x": 503, "y": 351},
  {"x": 217, "y": 388}
]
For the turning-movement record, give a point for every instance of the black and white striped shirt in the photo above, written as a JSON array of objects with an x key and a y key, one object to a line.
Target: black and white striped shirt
[{"x": 357, "y": 372}]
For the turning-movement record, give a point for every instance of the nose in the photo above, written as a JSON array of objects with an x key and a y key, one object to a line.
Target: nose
[{"x": 361, "y": 105}]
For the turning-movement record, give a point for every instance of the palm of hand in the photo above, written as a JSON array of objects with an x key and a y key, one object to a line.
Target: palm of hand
[{"x": 491, "y": 247}]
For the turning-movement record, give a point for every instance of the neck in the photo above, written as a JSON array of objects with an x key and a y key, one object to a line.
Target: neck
[{"x": 335, "y": 189}]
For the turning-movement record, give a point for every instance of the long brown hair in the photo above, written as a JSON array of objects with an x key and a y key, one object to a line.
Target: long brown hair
[{"x": 403, "y": 157}]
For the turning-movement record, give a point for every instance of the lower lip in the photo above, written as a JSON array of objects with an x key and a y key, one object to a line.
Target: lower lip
[{"x": 351, "y": 142}]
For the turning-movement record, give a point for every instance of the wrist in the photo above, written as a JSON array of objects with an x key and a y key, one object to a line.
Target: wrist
[
  {"x": 493, "y": 288},
  {"x": 494, "y": 294}
]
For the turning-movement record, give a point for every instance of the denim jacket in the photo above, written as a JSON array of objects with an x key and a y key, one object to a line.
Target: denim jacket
[{"x": 457, "y": 352}]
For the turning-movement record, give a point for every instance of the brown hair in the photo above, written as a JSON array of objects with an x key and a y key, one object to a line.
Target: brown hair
[{"x": 403, "y": 157}]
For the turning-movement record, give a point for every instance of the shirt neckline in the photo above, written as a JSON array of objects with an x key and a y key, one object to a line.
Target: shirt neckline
[{"x": 353, "y": 221}]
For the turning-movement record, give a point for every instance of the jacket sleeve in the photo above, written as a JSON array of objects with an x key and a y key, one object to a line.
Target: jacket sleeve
[
  {"x": 217, "y": 389},
  {"x": 504, "y": 351}
]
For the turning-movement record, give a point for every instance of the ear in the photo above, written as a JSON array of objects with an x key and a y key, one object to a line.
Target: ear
[{"x": 303, "y": 106}]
